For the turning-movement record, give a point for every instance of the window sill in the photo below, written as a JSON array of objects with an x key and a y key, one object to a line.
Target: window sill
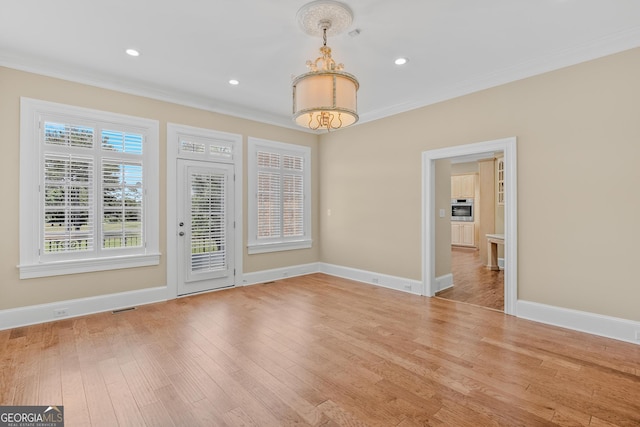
[
  {"x": 260, "y": 248},
  {"x": 47, "y": 269}
]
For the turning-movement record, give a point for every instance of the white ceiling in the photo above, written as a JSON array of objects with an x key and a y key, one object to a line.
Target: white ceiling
[{"x": 191, "y": 48}]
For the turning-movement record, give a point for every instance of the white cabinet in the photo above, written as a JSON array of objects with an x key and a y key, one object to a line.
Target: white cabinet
[
  {"x": 463, "y": 186},
  {"x": 500, "y": 182},
  {"x": 463, "y": 234}
]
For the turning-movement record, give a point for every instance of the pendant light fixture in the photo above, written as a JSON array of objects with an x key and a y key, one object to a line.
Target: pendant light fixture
[{"x": 326, "y": 96}]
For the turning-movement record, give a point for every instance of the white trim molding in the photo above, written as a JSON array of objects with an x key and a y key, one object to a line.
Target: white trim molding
[
  {"x": 279, "y": 241},
  {"x": 552, "y": 60},
  {"x": 174, "y": 132},
  {"x": 383, "y": 280},
  {"x": 87, "y": 265},
  {"x": 582, "y": 321},
  {"x": 35, "y": 260},
  {"x": 591, "y": 323},
  {"x": 508, "y": 147},
  {"x": 263, "y": 276},
  {"x": 42, "y": 313},
  {"x": 444, "y": 282}
]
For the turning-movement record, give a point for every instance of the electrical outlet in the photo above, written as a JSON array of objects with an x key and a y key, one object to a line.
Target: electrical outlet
[
  {"x": 61, "y": 312},
  {"x": 407, "y": 286}
]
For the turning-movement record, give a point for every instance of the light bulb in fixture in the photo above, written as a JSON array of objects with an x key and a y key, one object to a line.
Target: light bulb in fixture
[
  {"x": 234, "y": 82},
  {"x": 401, "y": 61},
  {"x": 326, "y": 96},
  {"x": 132, "y": 52}
]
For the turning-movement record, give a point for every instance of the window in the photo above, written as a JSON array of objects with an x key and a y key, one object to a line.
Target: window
[
  {"x": 280, "y": 196},
  {"x": 88, "y": 190}
]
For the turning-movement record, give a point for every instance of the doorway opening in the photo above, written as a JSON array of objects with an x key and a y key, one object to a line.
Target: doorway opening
[
  {"x": 477, "y": 211},
  {"x": 438, "y": 275}
]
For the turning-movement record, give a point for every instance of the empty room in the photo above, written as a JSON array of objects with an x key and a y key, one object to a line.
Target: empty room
[{"x": 325, "y": 213}]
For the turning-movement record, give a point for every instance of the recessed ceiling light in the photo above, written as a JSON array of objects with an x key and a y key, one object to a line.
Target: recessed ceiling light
[
  {"x": 234, "y": 82},
  {"x": 132, "y": 52},
  {"x": 401, "y": 61}
]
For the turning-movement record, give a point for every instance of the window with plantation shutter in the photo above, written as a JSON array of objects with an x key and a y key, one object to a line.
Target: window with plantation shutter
[
  {"x": 68, "y": 204},
  {"x": 89, "y": 190},
  {"x": 279, "y": 202},
  {"x": 121, "y": 205}
]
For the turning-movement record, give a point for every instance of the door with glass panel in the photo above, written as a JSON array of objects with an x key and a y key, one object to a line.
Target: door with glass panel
[{"x": 205, "y": 226}]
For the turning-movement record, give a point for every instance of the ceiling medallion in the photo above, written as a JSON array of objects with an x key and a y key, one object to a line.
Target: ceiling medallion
[{"x": 326, "y": 96}]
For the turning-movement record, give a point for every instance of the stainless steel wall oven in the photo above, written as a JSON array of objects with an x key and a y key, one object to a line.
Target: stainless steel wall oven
[{"x": 462, "y": 210}]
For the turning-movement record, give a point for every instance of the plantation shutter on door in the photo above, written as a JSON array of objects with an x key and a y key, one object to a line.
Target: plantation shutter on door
[{"x": 208, "y": 214}]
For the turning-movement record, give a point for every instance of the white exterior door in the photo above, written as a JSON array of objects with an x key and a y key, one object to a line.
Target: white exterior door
[{"x": 206, "y": 226}]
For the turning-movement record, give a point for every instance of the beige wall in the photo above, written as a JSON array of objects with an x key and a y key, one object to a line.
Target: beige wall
[
  {"x": 578, "y": 147},
  {"x": 443, "y": 170},
  {"x": 14, "y": 84},
  {"x": 462, "y": 168}
]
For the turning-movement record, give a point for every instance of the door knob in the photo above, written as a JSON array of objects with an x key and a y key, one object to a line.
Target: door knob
[{"x": 181, "y": 233}]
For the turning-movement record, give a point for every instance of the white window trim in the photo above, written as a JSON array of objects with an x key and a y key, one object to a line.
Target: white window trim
[
  {"x": 31, "y": 112},
  {"x": 255, "y": 246}
]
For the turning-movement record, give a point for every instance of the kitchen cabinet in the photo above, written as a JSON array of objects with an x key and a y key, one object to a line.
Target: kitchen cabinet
[
  {"x": 463, "y": 186},
  {"x": 500, "y": 182},
  {"x": 463, "y": 233}
]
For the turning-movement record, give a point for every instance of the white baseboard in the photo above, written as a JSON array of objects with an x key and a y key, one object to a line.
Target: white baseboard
[
  {"x": 42, "y": 313},
  {"x": 279, "y": 273},
  {"x": 596, "y": 324},
  {"x": 444, "y": 282},
  {"x": 392, "y": 282},
  {"x": 591, "y": 323}
]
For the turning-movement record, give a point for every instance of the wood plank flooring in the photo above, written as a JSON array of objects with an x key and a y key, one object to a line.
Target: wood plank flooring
[
  {"x": 473, "y": 282},
  {"x": 319, "y": 351}
]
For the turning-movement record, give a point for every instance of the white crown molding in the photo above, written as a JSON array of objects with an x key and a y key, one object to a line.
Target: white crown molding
[
  {"x": 143, "y": 89},
  {"x": 560, "y": 58}
]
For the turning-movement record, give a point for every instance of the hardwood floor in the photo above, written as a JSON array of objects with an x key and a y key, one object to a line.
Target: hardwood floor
[
  {"x": 323, "y": 351},
  {"x": 473, "y": 282}
]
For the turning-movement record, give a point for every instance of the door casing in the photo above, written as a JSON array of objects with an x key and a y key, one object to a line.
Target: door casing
[
  {"x": 508, "y": 147},
  {"x": 174, "y": 134}
]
